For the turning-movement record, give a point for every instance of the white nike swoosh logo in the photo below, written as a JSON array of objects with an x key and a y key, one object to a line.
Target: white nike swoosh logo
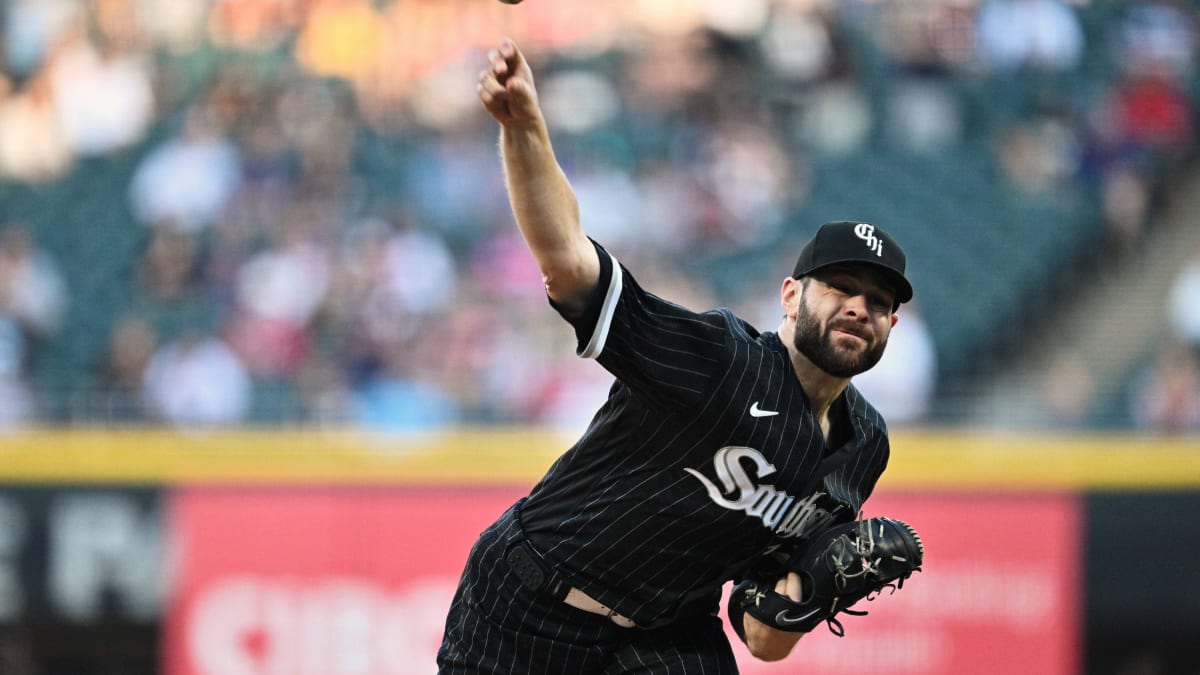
[
  {"x": 784, "y": 619},
  {"x": 756, "y": 411}
]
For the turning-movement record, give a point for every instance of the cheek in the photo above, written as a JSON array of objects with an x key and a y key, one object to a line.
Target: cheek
[
  {"x": 823, "y": 307},
  {"x": 883, "y": 327}
]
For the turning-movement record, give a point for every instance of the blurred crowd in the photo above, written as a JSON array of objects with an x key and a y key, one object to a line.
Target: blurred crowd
[
  {"x": 1165, "y": 395},
  {"x": 322, "y": 234}
]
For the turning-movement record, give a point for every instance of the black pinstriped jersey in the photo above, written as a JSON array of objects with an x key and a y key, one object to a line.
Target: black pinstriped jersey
[{"x": 706, "y": 455}]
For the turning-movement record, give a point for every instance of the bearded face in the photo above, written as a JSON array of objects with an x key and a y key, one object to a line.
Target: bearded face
[{"x": 838, "y": 355}]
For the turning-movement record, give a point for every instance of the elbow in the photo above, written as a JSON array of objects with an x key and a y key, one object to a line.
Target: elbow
[
  {"x": 569, "y": 290},
  {"x": 570, "y": 276}
]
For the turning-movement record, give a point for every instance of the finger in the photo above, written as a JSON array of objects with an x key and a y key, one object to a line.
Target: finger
[
  {"x": 519, "y": 89},
  {"x": 487, "y": 77},
  {"x": 486, "y": 97},
  {"x": 489, "y": 86},
  {"x": 497, "y": 63},
  {"x": 513, "y": 59},
  {"x": 781, "y": 586},
  {"x": 508, "y": 49}
]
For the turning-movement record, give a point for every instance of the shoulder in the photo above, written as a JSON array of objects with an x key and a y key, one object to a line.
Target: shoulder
[{"x": 736, "y": 326}]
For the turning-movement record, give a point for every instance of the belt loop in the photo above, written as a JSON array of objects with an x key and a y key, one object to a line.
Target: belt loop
[{"x": 528, "y": 564}]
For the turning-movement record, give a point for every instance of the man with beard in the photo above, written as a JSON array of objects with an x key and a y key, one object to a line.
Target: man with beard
[{"x": 719, "y": 448}]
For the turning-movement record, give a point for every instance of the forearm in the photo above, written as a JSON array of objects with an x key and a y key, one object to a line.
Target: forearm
[
  {"x": 547, "y": 212},
  {"x": 766, "y": 643},
  {"x": 543, "y": 202},
  {"x": 542, "y": 199}
]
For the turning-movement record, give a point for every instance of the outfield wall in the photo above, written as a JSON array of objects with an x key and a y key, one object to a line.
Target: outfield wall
[{"x": 287, "y": 553}]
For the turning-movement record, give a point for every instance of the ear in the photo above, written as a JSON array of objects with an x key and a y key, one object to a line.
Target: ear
[
  {"x": 895, "y": 318},
  {"x": 790, "y": 296}
]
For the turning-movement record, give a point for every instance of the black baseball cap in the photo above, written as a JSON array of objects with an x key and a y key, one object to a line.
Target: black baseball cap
[{"x": 845, "y": 241}]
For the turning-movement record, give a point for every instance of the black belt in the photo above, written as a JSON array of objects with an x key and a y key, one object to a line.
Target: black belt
[{"x": 537, "y": 574}]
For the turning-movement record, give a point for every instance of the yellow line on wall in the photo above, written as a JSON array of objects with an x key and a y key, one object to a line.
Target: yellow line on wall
[
  {"x": 1023, "y": 461},
  {"x": 507, "y": 456}
]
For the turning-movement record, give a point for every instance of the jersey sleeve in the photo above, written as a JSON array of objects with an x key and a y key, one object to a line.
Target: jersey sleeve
[{"x": 659, "y": 349}]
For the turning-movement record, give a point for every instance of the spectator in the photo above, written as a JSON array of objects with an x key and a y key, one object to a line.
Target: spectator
[
  {"x": 250, "y": 25},
  {"x": 197, "y": 380},
  {"x": 170, "y": 267},
  {"x": 32, "y": 289},
  {"x": 580, "y": 100},
  {"x": 1154, "y": 114},
  {"x": 171, "y": 290},
  {"x": 103, "y": 97},
  {"x": 279, "y": 290},
  {"x": 1040, "y": 35},
  {"x": 1067, "y": 391},
  {"x": 177, "y": 26},
  {"x": 34, "y": 147},
  {"x": 1126, "y": 203},
  {"x": 743, "y": 166},
  {"x": 923, "y": 116},
  {"x": 33, "y": 299},
  {"x": 416, "y": 272},
  {"x": 799, "y": 44},
  {"x": 1039, "y": 156},
  {"x": 18, "y": 406},
  {"x": 130, "y": 349},
  {"x": 1166, "y": 398},
  {"x": 838, "y": 121},
  {"x": 1157, "y": 36},
  {"x": 404, "y": 393},
  {"x": 340, "y": 37},
  {"x": 187, "y": 181},
  {"x": 930, "y": 39},
  {"x": 608, "y": 191},
  {"x": 1183, "y": 304},
  {"x": 902, "y": 384},
  {"x": 483, "y": 348},
  {"x": 326, "y": 398},
  {"x": 33, "y": 27}
]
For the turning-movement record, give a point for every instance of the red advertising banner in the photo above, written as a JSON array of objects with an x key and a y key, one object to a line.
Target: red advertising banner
[
  {"x": 279, "y": 581},
  {"x": 340, "y": 581},
  {"x": 1000, "y": 593}
]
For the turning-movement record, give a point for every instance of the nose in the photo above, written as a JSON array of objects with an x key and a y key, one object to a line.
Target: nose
[{"x": 856, "y": 306}]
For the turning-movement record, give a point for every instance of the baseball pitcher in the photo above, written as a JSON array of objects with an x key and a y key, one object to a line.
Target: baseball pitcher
[{"x": 722, "y": 453}]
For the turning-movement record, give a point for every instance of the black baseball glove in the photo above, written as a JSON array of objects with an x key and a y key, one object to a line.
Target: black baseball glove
[{"x": 839, "y": 567}]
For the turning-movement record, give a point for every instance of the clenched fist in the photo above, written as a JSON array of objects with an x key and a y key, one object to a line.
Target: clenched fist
[{"x": 506, "y": 87}]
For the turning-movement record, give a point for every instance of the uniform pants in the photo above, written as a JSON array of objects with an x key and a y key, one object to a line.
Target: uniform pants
[{"x": 496, "y": 625}]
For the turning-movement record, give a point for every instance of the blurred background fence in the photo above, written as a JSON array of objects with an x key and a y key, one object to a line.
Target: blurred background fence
[{"x": 288, "y": 216}]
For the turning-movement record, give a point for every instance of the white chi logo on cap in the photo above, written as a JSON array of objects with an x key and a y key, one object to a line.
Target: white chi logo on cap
[{"x": 866, "y": 232}]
